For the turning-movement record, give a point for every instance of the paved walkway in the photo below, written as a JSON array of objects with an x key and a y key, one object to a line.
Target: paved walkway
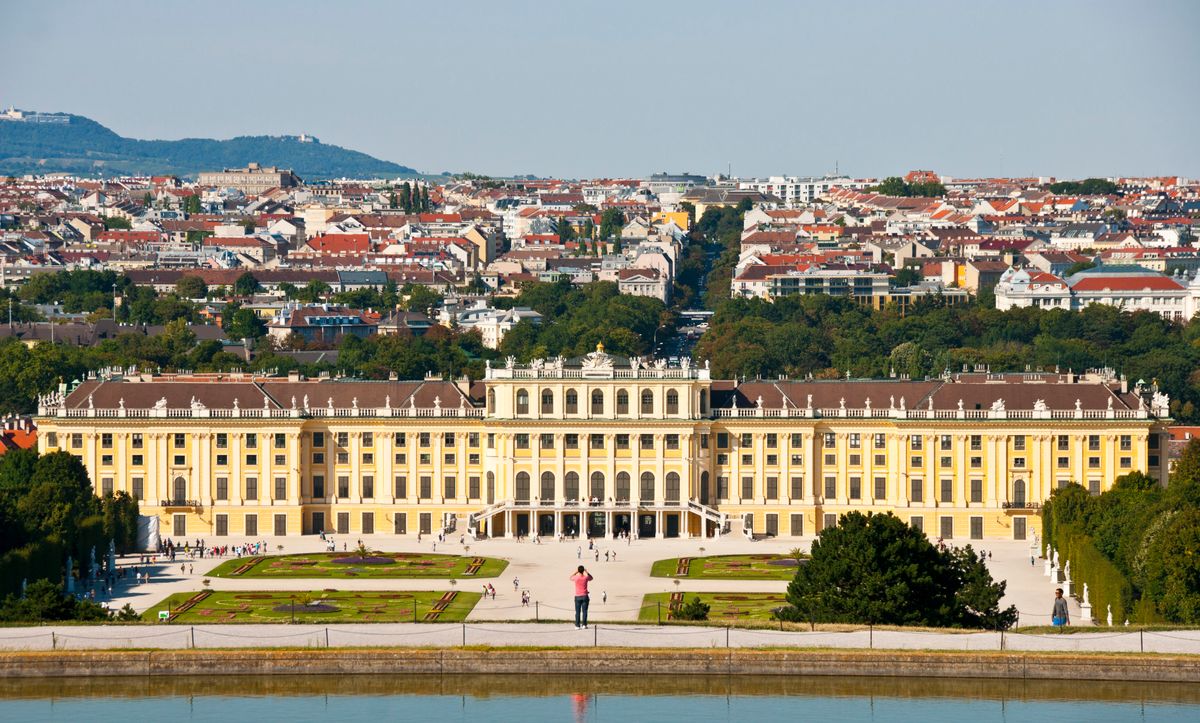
[
  {"x": 565, "y": 635},
  {"x": 544, "y": 569}
]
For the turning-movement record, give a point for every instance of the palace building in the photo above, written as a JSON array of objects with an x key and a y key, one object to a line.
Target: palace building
[{"x": 599, "y": 445}]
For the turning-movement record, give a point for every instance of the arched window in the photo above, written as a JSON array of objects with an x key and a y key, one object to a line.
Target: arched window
[
  {"x": 180, "y": 489},
  {"x": 646, "y": 490},
  {"x": 672, "y": 490},
  {"x": 522, "y": 491},
  {"x": 622, "y": 401},
  {"x": 1019, "y": 493},
  {"x": 647, "y": 401},
  {"x": 704, "y": 488},
  {"x": 571, "y": 486},
  {"x": 572, "y": 402},
  {"x": 622, "y": 490},
  {"x": 522, "y": 401},
  {"x": 672, "y": 402},
  {"x": 547, "y": 401},
  {"x": 597, "y": 402},
  {"x": 491, "y": 401},
  {"x": 491, "y": 488},
  {"x": 547, "y": 487},
  {"x": 597, "y": 485}
]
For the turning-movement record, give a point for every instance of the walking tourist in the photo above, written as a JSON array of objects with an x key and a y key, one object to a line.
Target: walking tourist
[
  {"x": 1060, "y": 616},
  {"x": 581, "y": 578}
]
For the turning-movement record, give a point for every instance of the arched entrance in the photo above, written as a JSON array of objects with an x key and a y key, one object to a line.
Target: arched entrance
[{"x": 1018, "y": 497}]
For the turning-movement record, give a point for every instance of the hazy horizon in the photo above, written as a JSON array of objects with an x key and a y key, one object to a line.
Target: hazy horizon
[{"x": 588, "y": 89}]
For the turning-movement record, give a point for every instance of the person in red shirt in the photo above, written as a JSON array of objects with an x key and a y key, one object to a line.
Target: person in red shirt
[{"x": 581, "y": 578}]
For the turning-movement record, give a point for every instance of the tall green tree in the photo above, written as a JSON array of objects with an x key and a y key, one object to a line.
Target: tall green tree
[{"x": 246, "y": 284}]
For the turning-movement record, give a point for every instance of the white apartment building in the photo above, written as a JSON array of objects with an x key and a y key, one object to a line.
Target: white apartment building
[
  {"x": 1129, "y": 288},
  {"x": 796, "y": 190}
]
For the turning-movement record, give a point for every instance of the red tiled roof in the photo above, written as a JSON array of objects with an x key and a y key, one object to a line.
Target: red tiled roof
[{"x": 1126, "y": 283}]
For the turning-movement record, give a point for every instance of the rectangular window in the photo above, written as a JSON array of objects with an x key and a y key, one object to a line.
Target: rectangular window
[
  {"x": 596, "y": 441},
  {"x": 772, "y": 488},
  {"x": 830, "y": 488},
  {"x": 448, "y": 489},
  {"x": 855, "y": 460},
  {"x": 545, "y": 441},
  {"x": 473, "y": 487},
  {"x": 976, "y": 442},
  {"x": 426, "y": 490},
  {"x": 571, "y": 441},
  {"x": 318, "y": 439},
  {"x": 672, "y": 441},
  {"x": 521, "y": 440},
  {"x": 136, "y": 460},
  {"x": 344, "y": 457},
  {"x": 856, "y": 488},
  {"x": 76, "y": 440},
  {"x": 343, "y": 486},
  {"x": 251, "y": 488},
  {"x": 1093, "y": 463},
  {"x": 880, "y": 440},
  {"x": 797, "y": 487},
  {"x": 722, "y": 487},
  {"x": 222, "y": 440},
  {"x": 449, "y": 459},
  {"x": 251, "y": 440},
  {"x": 797, "y": 523},
  {"x": 318, "y": 458},
  {"x": 1094, "y": 487},
  {"x": 977, "y": 490},
  {"x": 1126, "y": 443},
  {"x": 1018, "y": 462},
  {"x": 473, "y": 458},
  {"x": 646, "y": 441},
  {"x": 251, "y": 525},
  {"x": 401, "y": 458},
  {"x": 880, "y": 460},
  {"x": 747, "y": 439},
  {"x": 1152, "y": 460},
  {"x": 280, "y": 440},
  {"x": 179, "y": 460},
  {"x": 797, "y": 459},
  {"x": 722, "y": 458},
  {"x": 722, "y": 440},
  {"x": 1064, "y": 462},
  {"x": 368, "y": 486},
  {"x": 400, "y": 523},
  {"x": 318, "y": 486},
  {"x": 343, "y": 523},
  {"x": 179, "y": 439},
  {"x": 772, "y": 525},
  {"x": 855, "y": 440},
  {"x": 280, "y": 460},
  {"x": 917, "y": 522},
  {"x": 252, "y": 460},
  {"x": 368, "y": 523},
  {"x": 106, "y": 440},
  {"x": 423, "y": 439},
  {"x": 368, "y": 458},
  {"x": 622, "y": 441},
  {"x": 222, "y": 488},
  {"x": 106, "y": 460},
  {"x": 947, "y": 531},
  {"x": 880, "y": 488},
  {"x": 976, "y": 528},
  {"x": 704, "y": 440},
  {"x": 772, "y": 441},
  {"x": 830, "y": 440},
  {"x": 1093, "y": 443},
  {"x": 447, "y": 439},
  {"x": 947, "y": 443},
  {"x": 976, "y": 462},
  {"x": 917, "y": 490},
  {"x": 1019, "y": 443},
  {"x": 222, "y": 526},
  {"x": 830, "y": 521},
  {"x": 400, "y": 486},
  {"x": 491, "y": 439},
  {"x": 139, "y": 489},
  {"x": 747, "y": 459},
  {"x": 280, "y": 525},
  {"x": 400, "y": 439},
  {"x": 797, "y": 440},
  {"x": 916, "y": 443},
  {"x": 1064, "y": 443},
  {"x": 1126, "y": 462},
  {"x": 830, "y": 460},
  {"x": 106, "y": 486},
  {"x": 473, "y": 439},
  {"x": 135, "y": 441},
  {"x": 916, "y": 462},
  {"x": 772, "y": 460},
  {"x": 747, "y": 487},
  {"x": 947, "y": 490}
]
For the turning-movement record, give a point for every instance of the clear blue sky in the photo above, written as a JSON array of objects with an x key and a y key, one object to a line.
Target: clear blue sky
[{"x": 581, "y": 88}]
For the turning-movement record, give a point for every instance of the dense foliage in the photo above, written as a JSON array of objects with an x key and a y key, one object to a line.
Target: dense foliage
[
  {"x": 719, "y": 230},
  {"x": 1086, "y": 187},
  {"x": 1136, "y": 545},
  {"x": 896, "y": 186},
  {"x": 876, "y": 569},
  {"x": 576, "y": 318},
  {"x": 84, "y": 146},
  {"x": 48, "y": 510},
  {"x": 827, "y": 336}
]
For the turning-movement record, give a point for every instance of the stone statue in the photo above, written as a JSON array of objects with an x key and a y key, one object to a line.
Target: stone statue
[
  {"x": 685, "y": 363},
  {"x": 161, "y": 404},
  {"x": 437, "y": 402},
  {"x": 266, "y": 405},
  {"x": 330, "y": 405},
  {"x": 1110, "y": 404},
  {"x": 510, "y": 361},
  {"x": 354, "y": 403},
  {"x": 235, "y": 405},
  {"x": 1040, "y": 406},
  {"x": 868, "y": 406},
  {"x": 902, "y": 404},
  {"x": 758, "y": 402},
  {"x": 892, "y": 402},
  {"x": 842, "y": 404},
  {"x": 293, "y": 402},
  {"x": 306, "y": 401},
  {"x": 91, "y": 405},
  {"x": 387, "y": 401},
  {"x": 1110, "y": 615},
  {"x": 634, "y": 363},
  {"x": 1078, "y": 406},
  {"x": 1085, "y": 594},
  {"x": 121, "y": 404},
  {"x": 997, "y": 406},
  {"x": 809, "y": 405}
]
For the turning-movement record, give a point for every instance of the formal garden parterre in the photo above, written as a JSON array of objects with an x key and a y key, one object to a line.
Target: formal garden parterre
[
  {"x": 370, "y": 565},
  {"x": 727, "y": 606},
  {"x": 348, "y": 606},
  {"x": 728, "y": 567}
]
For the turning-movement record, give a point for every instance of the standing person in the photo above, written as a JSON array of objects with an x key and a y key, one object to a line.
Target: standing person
[
  {"x": 581, "y": 578},
  {"x": 1060, "y": 616},
  {"x": 578, "y": 553}
]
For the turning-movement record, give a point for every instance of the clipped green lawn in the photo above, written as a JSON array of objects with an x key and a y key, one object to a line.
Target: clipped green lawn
[
  {"x": 376, "y": 565},
  {"x": 728, "y": 567},
  {"x": 362, "y": 606},
  {"x": 731, "y": 606}
]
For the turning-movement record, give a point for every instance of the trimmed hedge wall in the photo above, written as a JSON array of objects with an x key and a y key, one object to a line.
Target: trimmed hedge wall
[{"x": 1106, "y": 585}]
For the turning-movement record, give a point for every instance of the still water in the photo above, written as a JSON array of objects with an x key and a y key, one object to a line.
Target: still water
[{"x": 627, "y": 699}]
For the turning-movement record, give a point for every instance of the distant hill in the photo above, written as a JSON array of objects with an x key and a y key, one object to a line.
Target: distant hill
[{"x": 82, "y": 146}]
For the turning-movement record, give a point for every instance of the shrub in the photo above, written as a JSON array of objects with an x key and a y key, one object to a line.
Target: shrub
[{"x": 694, "y": 610}]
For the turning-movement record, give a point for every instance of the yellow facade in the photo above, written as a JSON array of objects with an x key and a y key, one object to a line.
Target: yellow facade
[{"x": 601, "y": 445}]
